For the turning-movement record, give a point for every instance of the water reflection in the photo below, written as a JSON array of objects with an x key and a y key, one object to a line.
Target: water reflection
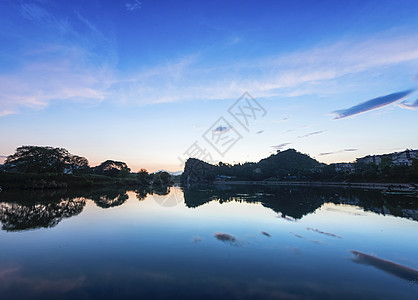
[
  {"x": 44, "y": 209},
  {"x": 295, "y": 202},
  {"x": 22, "y": 216},
  {"x": 386, "y": 265},
  {"x": 109, "y": 198},
  {"x": 216, "y": 243}
]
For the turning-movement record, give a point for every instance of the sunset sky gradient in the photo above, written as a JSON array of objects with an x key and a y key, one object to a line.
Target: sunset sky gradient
[{"x": 141, "y": 81}]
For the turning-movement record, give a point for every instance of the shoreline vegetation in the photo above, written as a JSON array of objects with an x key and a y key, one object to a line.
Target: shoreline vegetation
[
  {"x": 35, "y": 167},
  {"x": 386, "y": 172},
  {"x": 38, "y": 168}
]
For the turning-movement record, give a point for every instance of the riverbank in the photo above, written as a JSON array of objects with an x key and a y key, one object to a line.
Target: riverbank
[
  {"x": 395, "y": 187},
  {"x": 61, "y": 181}
]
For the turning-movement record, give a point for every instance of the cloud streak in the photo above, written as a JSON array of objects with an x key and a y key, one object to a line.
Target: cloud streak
[
  {"x": 371, "y": 104},
  {"x": 335, "y": 152},
  {"x": 311, "y": 133},
  {"x": 221, "y": 129},
  {"x": 63, "y": 71},
  {"x": 280, "y": 146},
  {"x": 405, "y": 104}
]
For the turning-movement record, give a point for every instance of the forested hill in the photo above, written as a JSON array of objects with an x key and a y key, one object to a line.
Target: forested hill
[{"x": 282, "y": 165}]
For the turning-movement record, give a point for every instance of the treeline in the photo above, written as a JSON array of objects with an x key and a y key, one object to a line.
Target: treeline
[
  {"x": 35, "y": 167},
  {"x": 291, "y": 165},
  {"x": 372, "y": 172}
]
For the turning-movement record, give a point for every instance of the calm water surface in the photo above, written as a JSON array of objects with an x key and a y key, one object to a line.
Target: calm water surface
[{"x": 208, "y": 242}]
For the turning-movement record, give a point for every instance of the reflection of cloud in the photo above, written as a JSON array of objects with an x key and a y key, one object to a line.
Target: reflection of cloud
[
  {"x": 371, "y": 104},
  {"x": 297, "y": 235},
  {"x": 294, "y": 250},
  {"x": 280, "y": 146},
  {"x": 197, "y": 239},
  {"x": 405, "y": 104},
  {"x": 226, "y": 238},
  {"x": 311, "y": 133},
  {"x": 386, "y": 265},
  {"x": 133, "y": 5},
  {"x": 323, "y": 232},
  {"x": 335, "y": 152},
  {"x": 12, "y": 276}
]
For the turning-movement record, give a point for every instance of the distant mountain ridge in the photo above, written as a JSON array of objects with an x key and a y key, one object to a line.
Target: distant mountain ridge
[
  {"x": 291, "y": 165},
  {"x": 176, "y": 173}
]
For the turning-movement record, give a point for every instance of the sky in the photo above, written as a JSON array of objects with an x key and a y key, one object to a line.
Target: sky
[{"x": 151, "y": 83}]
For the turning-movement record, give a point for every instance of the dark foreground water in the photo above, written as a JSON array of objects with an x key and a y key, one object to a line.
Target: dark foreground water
[{"x": 208, "y": 243}]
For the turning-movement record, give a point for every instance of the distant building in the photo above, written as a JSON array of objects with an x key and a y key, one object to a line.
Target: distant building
[
  {"x": 404, "y": 158},
  {"x": 345, "y": 168},
  {"x": 370, "y": 159}
]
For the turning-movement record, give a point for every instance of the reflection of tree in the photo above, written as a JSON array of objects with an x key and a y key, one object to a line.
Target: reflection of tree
[
  {"x": 109, "y": 198},
  {"x": 141, "y": 193},
  {"x": 299, "y": 201},
  {"x": 15, "y": 216},
  {"x": 161, "y": 190},
  {"x": 22, "y": 210}
]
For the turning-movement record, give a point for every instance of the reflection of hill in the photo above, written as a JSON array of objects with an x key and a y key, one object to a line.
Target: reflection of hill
[
  {"x": 299, "y": 201},
  {"x": 292, "y": 202},
  {"x": 16, "y": 217}
]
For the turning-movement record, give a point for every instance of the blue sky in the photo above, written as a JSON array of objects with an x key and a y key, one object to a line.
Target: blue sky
[{"x": 142, "y": 81}]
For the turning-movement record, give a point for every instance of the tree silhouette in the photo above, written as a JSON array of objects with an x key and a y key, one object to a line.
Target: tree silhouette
[
  {"x": 109, "y": 198},
  {"x": 112, "y": 168},
  {"x": 36, "y": 159}
]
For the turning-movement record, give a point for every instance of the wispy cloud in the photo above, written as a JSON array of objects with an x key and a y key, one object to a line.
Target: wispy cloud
[
  {"x": 61, "y": 66},
  {"x": 335, "y": 152},
  {"x": 310, "y": 134},
  {"x": 280, "y": 146},
  {"x": 6, "y": 113},
  {"x": 371, "y": 104},
  {"x": 133, "y": 5},
  {"x": 59, "y": 70},
  {"x": 34, "y": 12},
  {"x": 406, "y": 104},
  {"x": 284, "y": 75}
]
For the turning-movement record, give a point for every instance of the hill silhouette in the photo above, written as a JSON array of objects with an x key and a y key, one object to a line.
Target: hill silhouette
[{"x": 284, "y": 165}]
